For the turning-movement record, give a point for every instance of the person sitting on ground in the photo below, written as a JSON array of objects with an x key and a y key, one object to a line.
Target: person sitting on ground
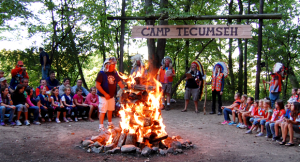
[
  {"x": 46, "y": 109},
  {"x": 250, "y": 113},
  {"x": 291, "y": 125},
  {"x": 267, "y": 117},
  {"x": 235, "y": 111},
  {"x": 165, "y": 77},
  {"x": 245, "y": 110},
  {"x": 67, "y": 100},
  {"x": 79, "y": 102},
  {"x": 19, "y": 100},
  {"x": 228, "y": 109},
  {"x": 277, "y": 114},
  {"x": 260, "y": 114},
  {"x": 45, "y": 63},
  {"x": 32, "y": 108},
  {"x": 93, "y": 102},
  {"x": 6, "y": 106},
  {"x": 17, "y": 74},
  {"x": 66, "y": 82},
  {"x": 43, "y": 83},
  {"x": 79, "y": 85},
  {"x": 281, "y": 120},
  {"x": 51, "y": 81},
  {"x": 58, "y": 106},
  {"x": 192, "y": 86}
]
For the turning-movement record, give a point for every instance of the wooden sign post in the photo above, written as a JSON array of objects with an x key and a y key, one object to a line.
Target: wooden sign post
[{"x": 192, "y": 31}]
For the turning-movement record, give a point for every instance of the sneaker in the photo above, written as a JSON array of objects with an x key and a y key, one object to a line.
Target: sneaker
[
  {"x": 12, "y": 123},
  {"x": 268, "y": 136},
  {"x": 248, "y": 127},
  {"x": 260, "y": 134},
  {"x": 70, "y": 120},
  {"x": 243, "y": 126},
  {"x": 2, "y": 123},
  {"x": 231, "y": 123},
  {"x": 76, "y": 120},
  {"x": 102, "y": 129},
  {"x": 66, "y": 120},
  {"x": 49, "y": 120},
  {"x": 79, "y": 118},
  {"x": 36, "y": 123},
  {"x": 85, "y": 117},
  {"x": 40, "y": 115},
  {"x": 57, "y": 120},
  {"x": 238, "y": 125},
  {"x": 275, "y": 138},
  {"x": 46, "y": 115},
  {"x": 249, "y": 132},
  {"x": 258, "y": 130},
  {"x": 18, "y": 123},
  {"x": 26, "y": 122},
  {"x": 225, "y": 122},
  {"x": 254, "y": 129}
]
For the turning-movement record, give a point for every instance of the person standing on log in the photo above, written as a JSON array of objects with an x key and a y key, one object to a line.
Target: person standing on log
[
  {"x": 192, "y": 86},
  {"x": 106, "y": 84},
  {"x": 165, "y": 76},
  {"x": 217, "y": 86},
  {"x": 137, "y": 66},
  {"x": 45, "y": 63}
]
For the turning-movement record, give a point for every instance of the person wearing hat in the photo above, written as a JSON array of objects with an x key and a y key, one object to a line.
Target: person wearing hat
[
  {"x": 137, "y": 65},
  {"x": 192, "y": 86},
  {"x": 45, "y": 63},
  {"x": 3, "y": 82},
  {"x": 106, "y": 84},
  {"x": 17, "y": 74},
  {"x": 217, "y": 86},
  {"x": 165, "y": 76}
]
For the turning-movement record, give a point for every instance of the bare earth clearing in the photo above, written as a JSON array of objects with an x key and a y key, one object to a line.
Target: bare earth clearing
[{"x": 213, "y": 141}]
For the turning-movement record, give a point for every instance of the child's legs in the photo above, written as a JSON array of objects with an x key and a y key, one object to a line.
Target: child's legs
[
  {"x": 75, "y": 109},
  {"x": 2, "y": 112},
  {"x": 226, "y": 112},
  {"x": 50, "y": 112},
  {"x": 110, "y": 108},
  {"x": 276, "y": 128},
  {"x": 19, "y": 110},
  {"x": 268, "y": 129},
  {"x": 44, "y": 111},
  {"x": 80, "y": 110},
  {"x": 291, "y": 132},
  {"x": 91, "y": 111},
  {"x": 11, "y": 112},
  {"x": 233, "y": 116},
  {"x": 240, "y": 116},
  {"x": 272, "y": 127},
  {"x": 35, "y": 110},
  {"x": 69, "y": 110},
  {"x": 262, "y": 124},
  {"x": 284, "y": 131}
]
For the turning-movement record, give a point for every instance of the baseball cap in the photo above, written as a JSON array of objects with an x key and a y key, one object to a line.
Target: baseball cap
[
  {"x": 2, "y": 79},
  {"x": 20, "y": 63}
]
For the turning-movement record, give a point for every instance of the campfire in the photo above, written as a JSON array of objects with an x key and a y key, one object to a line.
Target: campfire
[{"x": 141, "y": 127}]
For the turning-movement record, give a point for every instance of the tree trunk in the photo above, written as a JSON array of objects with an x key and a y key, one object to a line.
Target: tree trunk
[
  {"x": 153, "y": 60},
  {"x": 187, "y": 42},
  {"x": 121, "y": 68},
  {"x": 259, "y": 49},
  {"x": 245, "y": 57},
  {"x": 240, "y": 75},
  {"x": 230, "y": 65}
]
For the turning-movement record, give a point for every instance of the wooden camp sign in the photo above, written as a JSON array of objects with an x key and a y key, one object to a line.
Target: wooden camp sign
[{"x": 192, "y": 31}]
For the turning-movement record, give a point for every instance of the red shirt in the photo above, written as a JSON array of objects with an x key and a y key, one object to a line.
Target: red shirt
[
  {"x": 79, "y": 99},
  {"x": 254, "y": 111}
]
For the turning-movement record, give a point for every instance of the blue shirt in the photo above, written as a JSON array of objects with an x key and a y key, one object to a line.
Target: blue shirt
[{"x": 52, "y": 84}]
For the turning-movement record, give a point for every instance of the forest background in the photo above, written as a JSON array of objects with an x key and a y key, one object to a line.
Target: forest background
[{"x": 79, "y": 35}]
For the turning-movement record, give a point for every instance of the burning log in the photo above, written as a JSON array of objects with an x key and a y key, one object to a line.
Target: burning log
[
  {"x": 122, "y": 139},
  {"x": 116, "y": 138},
  {"x": 150, "y": 136},
  {"x": 159, "y": 138},
  {"x": 131, "y": 139}
]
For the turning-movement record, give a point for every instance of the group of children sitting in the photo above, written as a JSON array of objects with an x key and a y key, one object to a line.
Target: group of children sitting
[
  {"x": 46, "y": 104},
  {"x": 259, "y": 116}
]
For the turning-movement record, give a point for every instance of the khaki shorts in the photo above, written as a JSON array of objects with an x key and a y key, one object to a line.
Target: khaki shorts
[
  {"x": 106, "y": 105},
  {"x": 191, "y": 92},
  {"x": 167, "y": 87}
]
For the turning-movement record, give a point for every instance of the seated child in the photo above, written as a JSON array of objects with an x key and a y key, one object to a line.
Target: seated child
[
  {"x": 228, "y": 109},
  {"x": 57, "y": 105},
  {"x": 93, "y": 101},
  {"x": 236, "y": 110},
  {"x": 68, "y": 102},
  {"x": 267, "y": 117},
  {"x": 277, "y": 114},
  {"x": 45, "y": 105},
  {"x": 19, "y": 100},
  {"x": 254, "y": 120},
  {"x": 78, "y": 100},
  {"x": 246, "y": 110}
]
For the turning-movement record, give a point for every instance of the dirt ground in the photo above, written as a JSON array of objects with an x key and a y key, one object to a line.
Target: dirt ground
[{"x": 213, "y": 141}]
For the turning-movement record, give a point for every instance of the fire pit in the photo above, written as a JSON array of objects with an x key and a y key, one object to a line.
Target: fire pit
[{"x": 141, "y": 127}]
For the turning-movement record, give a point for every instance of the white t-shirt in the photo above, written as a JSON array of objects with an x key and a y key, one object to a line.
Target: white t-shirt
[
  {"x": 251, "y": 108},
  {"x": 64, "y": 99}
]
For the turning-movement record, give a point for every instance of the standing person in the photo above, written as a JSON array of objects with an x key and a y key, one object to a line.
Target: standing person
[
  {"x": 51, "y": 81},
  {"x": 45, "y": 63},
  {"x": 106, "y": 84},
  {"x": 6, "y": 105},
  {"x": 165, "y": 76},
  {"x": 217, "y": 87},
  {"x": 66, "y": 82},
  {"x": 275, "y": 83},
  {"x": 192, "y": 86},
  {"x": 17, "y": 74},
  {"x": 79, "y": 85}
]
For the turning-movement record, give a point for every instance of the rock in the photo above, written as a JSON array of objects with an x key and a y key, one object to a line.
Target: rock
[
  {"x": 138, "y": 150},
  {"x": 176, "y": 145},
  {"x": 96, "y": 150},
  {"x": 101, "y": 148},
  {"x": 170, "y": 150},
  {"x": 97, "y": 144},
  {"x": 88, "y": 138},
  {"x": 100, "y": 139},
  {"x": 86, "y": 143},
  {"x": 116, "y": 150},
  {"x": 89, "y": 150},
  {"x": 192, "y": 145},
  {"x": 188, "y": 146},
  {"x": 146, "y": 151},
  {"x": 128, "y": 148},
  {"x": 163, "y": 152},
  {"x": 188, "y": 141},
  {"x": 155, "y": 149},
  {"x": 179, "y": 151},
  {"x": 109, "y": 147}
]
